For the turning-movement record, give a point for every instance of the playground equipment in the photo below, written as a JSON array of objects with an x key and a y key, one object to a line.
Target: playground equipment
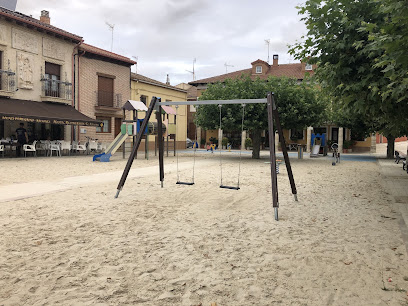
[
  {"x": 318, "y": 142},
  {"x": 129, "y": 128},
  {"x": 336, "y": 154},
  {"x": 156, "y": 104}
]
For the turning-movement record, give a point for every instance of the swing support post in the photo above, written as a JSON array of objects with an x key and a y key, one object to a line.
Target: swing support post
[
  {"x": 272, "y": 156},
  {"x": 283, "y": 145}
]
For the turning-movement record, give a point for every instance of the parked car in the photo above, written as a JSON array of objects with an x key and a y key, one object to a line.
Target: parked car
[{"x": 189, "y": 143}]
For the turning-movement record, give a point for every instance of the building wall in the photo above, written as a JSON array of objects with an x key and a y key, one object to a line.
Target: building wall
[
  {"x": 87, "y": 94},
  {"x": 149, "y": 90},
  {"x": 25, "y": 52}
]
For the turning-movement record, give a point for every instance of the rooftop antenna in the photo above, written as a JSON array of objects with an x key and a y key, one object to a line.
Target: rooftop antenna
[
  {"x": 193, "y": 69},
  {"x": 111, "y": 27},
  {"x": 268, "y": 41},
  {"x": 135, "y": 58},
  {"x": 226, "y": 67}
]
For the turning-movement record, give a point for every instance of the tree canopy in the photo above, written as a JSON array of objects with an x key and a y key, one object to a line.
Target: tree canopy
[
  {"x": 298, "y": 105},
  {"x": 352, "y": 42}
]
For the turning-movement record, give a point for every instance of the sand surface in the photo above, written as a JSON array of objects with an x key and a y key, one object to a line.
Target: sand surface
[{"x": 197, "y": 245}]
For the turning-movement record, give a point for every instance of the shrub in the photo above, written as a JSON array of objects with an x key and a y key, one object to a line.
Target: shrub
[{"x": 248, "y": 143}]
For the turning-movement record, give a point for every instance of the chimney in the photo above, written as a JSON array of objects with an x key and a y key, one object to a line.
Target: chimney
[
  {"x": 275, "y": 60},
  {"x": 45, "y": 17},
  {"x": 168, "y": 80}
]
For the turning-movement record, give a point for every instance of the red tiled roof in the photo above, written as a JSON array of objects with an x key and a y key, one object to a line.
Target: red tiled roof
[
  {"x": 102, "y": 52},
  {"x": 37, "y": 23},
  {"x": 144, "y": 79},
  {"x": 286, "y": 70}
]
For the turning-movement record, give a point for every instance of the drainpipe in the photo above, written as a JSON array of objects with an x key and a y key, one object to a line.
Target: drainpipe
[
  {"x": 74, "y": 55},
  {"x": 79, "y": 92}
]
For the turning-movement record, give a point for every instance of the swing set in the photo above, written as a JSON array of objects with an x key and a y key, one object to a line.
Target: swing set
[{"x": 156, "y": 105}]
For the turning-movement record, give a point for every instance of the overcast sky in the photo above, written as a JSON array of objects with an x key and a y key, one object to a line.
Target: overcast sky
[{"x": 166, "y": 35}]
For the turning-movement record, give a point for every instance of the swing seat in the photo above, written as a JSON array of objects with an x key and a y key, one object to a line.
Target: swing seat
[
  {"x": 184, "y": 183},
  {"x": 229, "y": 187}
]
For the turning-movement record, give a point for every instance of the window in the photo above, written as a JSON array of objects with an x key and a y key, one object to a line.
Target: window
[
  {"x": 52, "y": 80},
  {"x": 105, "y": 91},
  {"x": 258, "y": 69},
  {"x": 308, "y": 67},
  {"x": 143, "y": 99},
  {"x": 296, "y": 134},
  {"x": 106, "y": 125}
]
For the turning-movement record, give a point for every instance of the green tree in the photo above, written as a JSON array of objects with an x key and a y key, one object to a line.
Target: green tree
[
  {"x": 341, "y": 40},
  {"x": 298, "y": 106}
]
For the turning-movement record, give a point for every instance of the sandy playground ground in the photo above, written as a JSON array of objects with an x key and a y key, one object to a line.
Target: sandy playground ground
[{"x": 66, "y": 241}]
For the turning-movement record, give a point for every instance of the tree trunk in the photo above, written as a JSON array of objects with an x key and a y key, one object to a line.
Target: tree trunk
[
  {"x": 256, "y": 144},
  {"x": 390, "y": 146}
]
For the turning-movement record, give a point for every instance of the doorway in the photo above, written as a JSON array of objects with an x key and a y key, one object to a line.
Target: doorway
[{"x": 118, "y": 123}]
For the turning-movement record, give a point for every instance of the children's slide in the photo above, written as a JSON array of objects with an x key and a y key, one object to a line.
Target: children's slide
[
  {"x": 315, "y": 150},
  {"x": 112, "y": 148}
]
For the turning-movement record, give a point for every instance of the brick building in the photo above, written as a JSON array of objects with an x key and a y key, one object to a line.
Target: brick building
[{"x": 102, "y": 87}]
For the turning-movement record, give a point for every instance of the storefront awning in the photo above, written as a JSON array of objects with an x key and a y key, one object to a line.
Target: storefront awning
[{"x": 43, "y": 112}]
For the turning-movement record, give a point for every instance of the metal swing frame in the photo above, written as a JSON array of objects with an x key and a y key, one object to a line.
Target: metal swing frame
[{"x": 156, "y": 104}]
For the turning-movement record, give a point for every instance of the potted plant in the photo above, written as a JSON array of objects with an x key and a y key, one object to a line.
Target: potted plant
[
  {"x": 347, "y": 144},
  {"x": 202, "y": 142}
]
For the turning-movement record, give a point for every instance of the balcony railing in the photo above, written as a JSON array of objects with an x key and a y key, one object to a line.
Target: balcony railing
[
  {"x": 109, "y": 99},
  {"x": 56, "y": 89},
  {"x": 7, "y": 80}
]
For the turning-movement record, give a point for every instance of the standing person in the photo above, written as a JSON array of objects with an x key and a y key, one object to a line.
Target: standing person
[{"x": 22, "y": 138}]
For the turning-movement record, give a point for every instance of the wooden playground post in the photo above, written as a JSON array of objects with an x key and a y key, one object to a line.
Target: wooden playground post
[
  {"x": 161, "y": 147},
  {"x": 283, "y": 145},
  {"x": 134, "y": 150}
]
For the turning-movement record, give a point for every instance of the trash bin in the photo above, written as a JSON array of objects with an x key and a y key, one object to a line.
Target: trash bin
[{"x": 300, "y": 152}]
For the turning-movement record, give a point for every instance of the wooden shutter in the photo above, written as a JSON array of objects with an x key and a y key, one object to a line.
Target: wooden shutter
[
  {"x": 52, "y": 69},
  {"x": 105, "y": 91}
]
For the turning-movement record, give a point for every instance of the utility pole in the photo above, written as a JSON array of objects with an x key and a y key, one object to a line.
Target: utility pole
[{"x": 268, "y": 41}]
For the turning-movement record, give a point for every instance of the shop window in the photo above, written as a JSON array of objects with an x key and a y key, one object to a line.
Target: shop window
[{"x": 106, "y": 125}]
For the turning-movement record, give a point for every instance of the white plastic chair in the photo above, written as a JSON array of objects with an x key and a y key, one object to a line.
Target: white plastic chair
[
  {"x": 55, "y": 146},
  {"x": 2, "y": 149},
  {"x": 43, "y": 145},
  {"x": 78, "y": 147},
  {"x": 92, "y": 145},
  {"x": 66, "y": 145},
  {"x": 30, "y": 148}
]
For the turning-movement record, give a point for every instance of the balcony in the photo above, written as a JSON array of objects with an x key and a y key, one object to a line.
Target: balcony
[
  {"x": 56, "y": 90},
  {"x": 108, "y": 100},
  {"x": 7, "y": 83}
]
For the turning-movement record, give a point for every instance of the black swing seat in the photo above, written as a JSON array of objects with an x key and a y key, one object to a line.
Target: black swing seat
[
  {"x": 184, "y": 183},
  {"x": 229, "y": 187}
]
